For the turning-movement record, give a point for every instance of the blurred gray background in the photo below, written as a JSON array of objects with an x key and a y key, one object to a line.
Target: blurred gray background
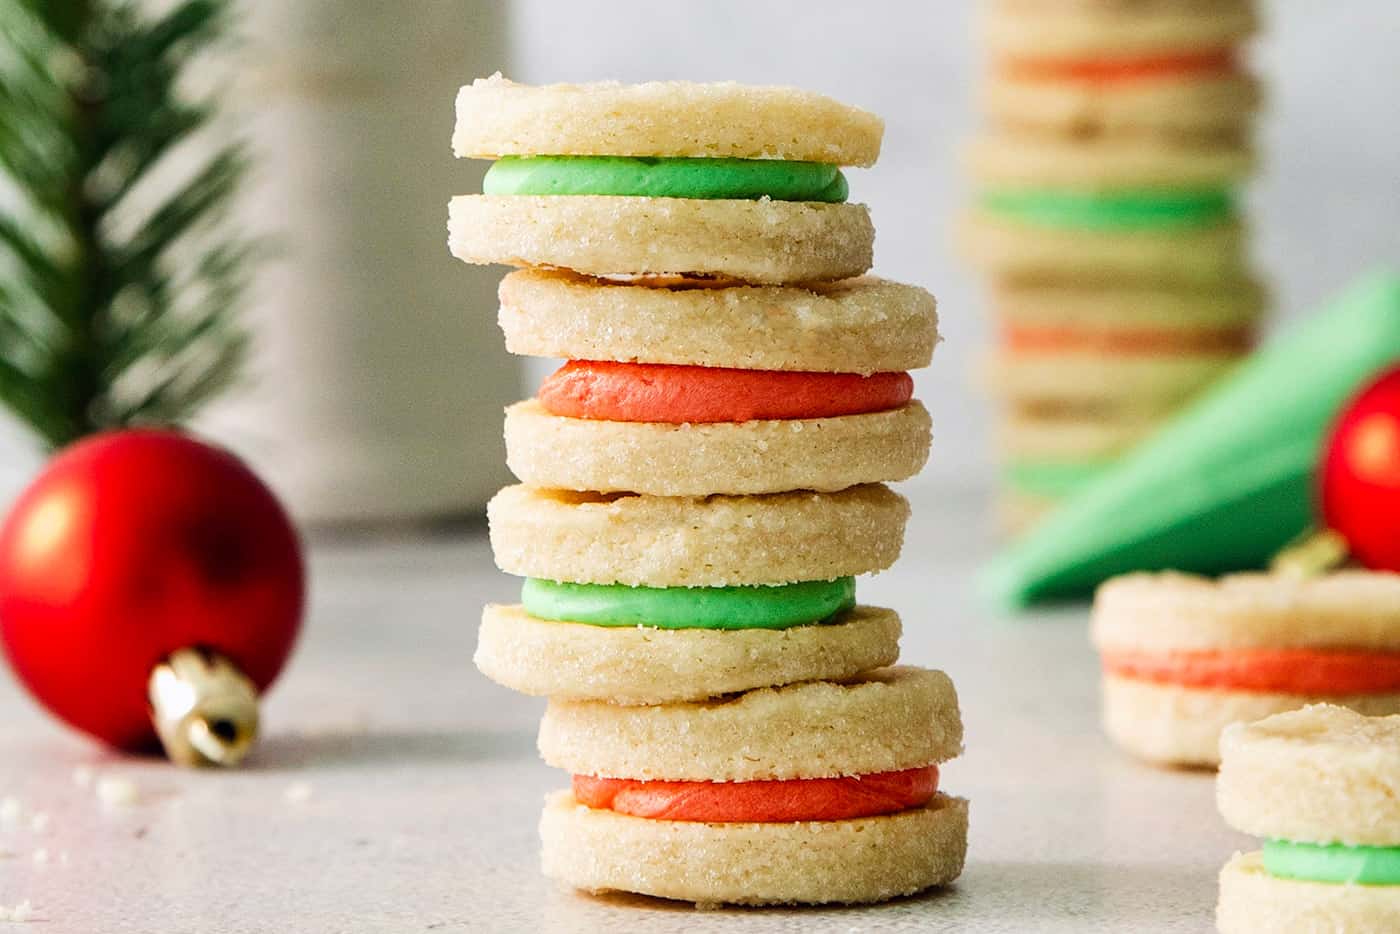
[{"x": 362, "y": 324}]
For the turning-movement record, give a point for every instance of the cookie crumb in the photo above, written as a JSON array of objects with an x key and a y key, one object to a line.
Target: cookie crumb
[
  {"x": 10, "y": 809},
  {"x": 297, "y": 793},
  {"x": 39, "y": 822},
  {"x": 21, "y": 913},
  {"x": 40, "y": 856},
  {"x": 117, "y": 792}
]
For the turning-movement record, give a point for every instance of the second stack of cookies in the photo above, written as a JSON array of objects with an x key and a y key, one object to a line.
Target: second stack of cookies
[
  {"x": 702, "y": 483},
  {"x": 1107, "y": 222}
]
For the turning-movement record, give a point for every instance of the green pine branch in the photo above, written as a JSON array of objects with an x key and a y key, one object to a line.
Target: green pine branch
[{"x": 113, "y": 312}]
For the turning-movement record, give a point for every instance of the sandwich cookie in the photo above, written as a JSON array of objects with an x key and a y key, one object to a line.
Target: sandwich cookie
[
  {"x": 693, "y": 391},
  {"x": 1182, "y": 99},
  {"x": 1185, "y": 656},
  {"x": 1118, "y": 349},
  {"x": 644, "y": 599},
  {"x": 609, "y": 180},
  {"x": 1321, "y": 785},
  {"x": 1114, "y": 30},
  {"x": 1049, "y": 454},
  {"x": 811, "y": 793}
]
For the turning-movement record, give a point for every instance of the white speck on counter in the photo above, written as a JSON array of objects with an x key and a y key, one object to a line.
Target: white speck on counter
[
  {"x": 10, "y": 809},
  {"x": 40, "y": 857},
  {"x": 115, "y": 792},
  {"x": 297, "y": 793},
  {"x": 21, "y": 913},
  {"x": 82, "y": 776},
  {"x": 39, "y": 822}
]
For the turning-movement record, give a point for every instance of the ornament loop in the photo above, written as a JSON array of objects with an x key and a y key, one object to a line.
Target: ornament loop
[{"x": 204, "y": 709}]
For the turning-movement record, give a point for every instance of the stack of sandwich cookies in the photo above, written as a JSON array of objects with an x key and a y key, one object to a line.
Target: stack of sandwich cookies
[
  {"x": 703, "y": 479},
  {"x": 1106, "y": 217},
  {"x": 1321, "y": 786},
  {"x": 1184, "y": 656}
]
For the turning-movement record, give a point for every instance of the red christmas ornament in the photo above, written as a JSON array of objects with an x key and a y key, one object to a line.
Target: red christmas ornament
[
  {"x": 1360, "y": 476},
  {"x": 144, "y": 575}
]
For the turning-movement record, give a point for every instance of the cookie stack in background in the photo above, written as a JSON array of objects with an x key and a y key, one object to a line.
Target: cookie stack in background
[
  {"x": 1108, "y": 224},
  {"x": 702, "y": 483}
]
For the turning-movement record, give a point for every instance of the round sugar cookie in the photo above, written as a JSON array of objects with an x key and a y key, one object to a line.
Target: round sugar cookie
[
  {"x": 1017, "y": 512},
  {"x": 1003, "y": 161},
  {"x": 1100, "y": 381},
  {"x": 1023, "y": 253},
  {"x": 1356, "y": 611},
  {"x": 716, "y": 541},
  {"x": 864, "y": 325},
  {"x": 1028, "y": 434},
  {"x": 823, "y": 454},
  {"x": 1114, "y": 29},
  {"x": 497, "y": 117},
  {"x": 1252, "y": 901},
  {"x": 1219, "y": 306},
  {"x": 762, "y": 242},
  {"x": 1323, "y": 774},
  {"x": 1170, "y": 111},
  {"x": 885, "y": 720},
  {"x": 808, "y": 862},
  {"x": 639, "y": 665},
  {"x": 1171, "y": 724}
]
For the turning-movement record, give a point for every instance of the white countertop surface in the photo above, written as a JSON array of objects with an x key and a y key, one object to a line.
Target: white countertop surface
[{"x": 397, "y": 790}]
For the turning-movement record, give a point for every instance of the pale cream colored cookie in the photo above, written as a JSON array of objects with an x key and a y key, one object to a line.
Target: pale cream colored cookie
[
  {"x": 762, "y": 242},
  {"x": 1171, "y": 111},
  {"x": 883, "y": 721},
  {"x": 717, "y": 541},
  {"x": 1017, "y": 512},
  {"x": 1220, "y": 306},
  {"x": 1049, "y": 435},
  {"x": 863, "y": 325},
  {"x": 497, "y": 117},
  {"x": 1009, "y": 162},
  {"x": 1060, "y": 30},
  {"x": 870, "y": 859},
  {"x": 1101, "y": 381},
  {"x": 1019, "y": 252},
  {"x": 1170, "y": 724},
  {"x": 1316, "y": 775},
  {"x": 1254, "y": 902},
  {"x": 824, "y": 454},
  {"x": 639, "y": 665},
  {"x": 1357, "y": 611}
]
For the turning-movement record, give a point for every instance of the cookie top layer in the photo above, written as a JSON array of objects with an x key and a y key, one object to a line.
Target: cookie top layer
[
  {"x": 1002, "y": 160},
  {"x": 497, "y": 117},
  {"x": 1322, "y": 774},
  {"x": 1056, "y": 29},
  {"x": 1129, "y": 308},
  {"x": 715, "y": 541},
  {"x": 884, "y": 721},
  {"x": 1349, "y": 610},
  {"x": 864, "y": 325}
]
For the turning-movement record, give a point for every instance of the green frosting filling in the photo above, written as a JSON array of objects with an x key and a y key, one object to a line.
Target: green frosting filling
[
  {"x": 738, "y": 179},
  {"x": 1054, "y": 479},
  {"x": 689, "y": 607},
  {"x": 1117, "y": 211},
  {"x": 1333, "y": 862}
]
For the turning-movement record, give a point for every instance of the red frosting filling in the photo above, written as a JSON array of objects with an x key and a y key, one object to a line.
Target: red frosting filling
[
  {"x": 1211, "y": 62},
  {"x": 1282, "y": 671},
  {"x": 653, "y": 392},
  {"x": 799, "y": 799},
  {"x": 1126, "y": 340}
]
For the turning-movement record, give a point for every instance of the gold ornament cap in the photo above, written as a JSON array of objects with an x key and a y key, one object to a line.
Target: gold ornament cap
[{"x": 204, "y": 708}]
